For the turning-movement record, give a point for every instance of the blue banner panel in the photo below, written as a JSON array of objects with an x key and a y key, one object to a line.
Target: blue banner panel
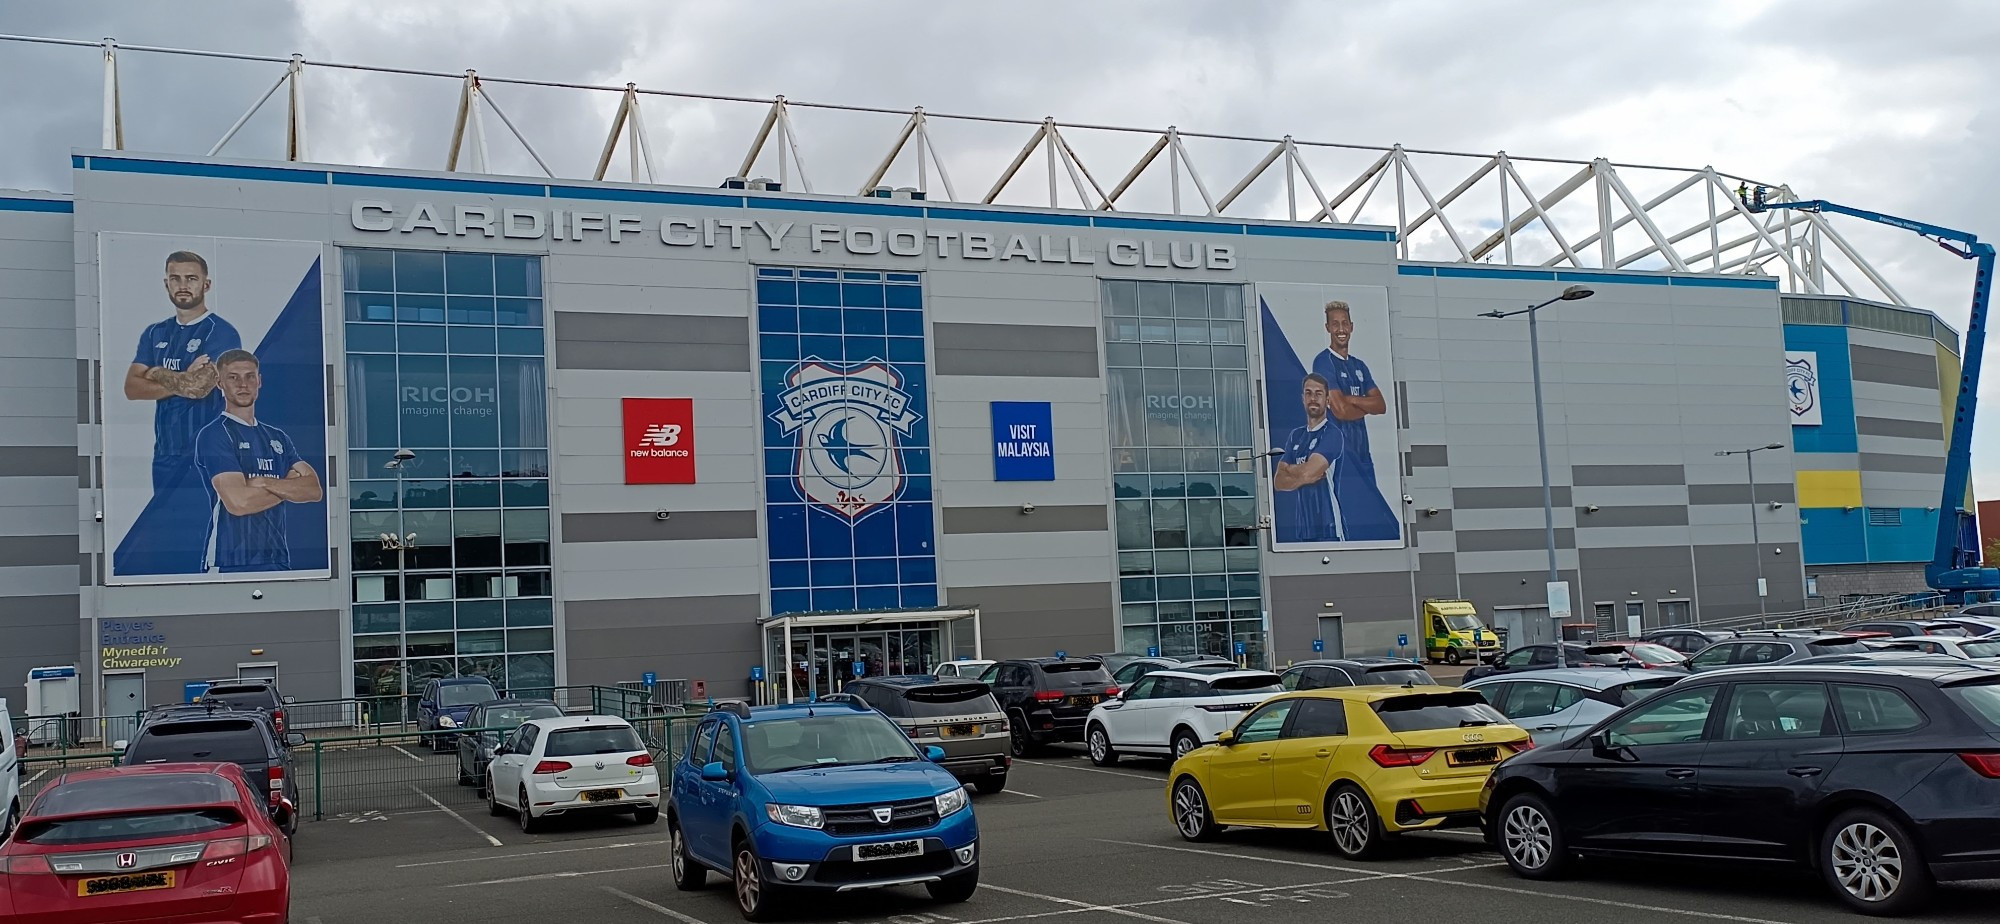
[{"x": 1024, "y": 442}]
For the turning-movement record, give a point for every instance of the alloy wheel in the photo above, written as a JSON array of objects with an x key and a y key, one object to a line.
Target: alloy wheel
[
  {"x": 1099, "y": 747},
  {"x": 1190, "y": 810},
  {"x": 1526, "y": 837},
  {"x": 1348, "y": 822},
  {"x": 749, "y": 888},
  {"x": 1866, "y": 862},
  {"x": 674, "y": 847},
  {"x": 1183, "y": 746}
]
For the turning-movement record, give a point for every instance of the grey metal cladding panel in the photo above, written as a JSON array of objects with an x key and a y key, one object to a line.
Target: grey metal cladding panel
[
  {"x": 1627, "y": 474},
  {"x": 37, "y": 460},
  {"x": 1031, "y": 618},
  {"x": 1636, "y": 558},
  {"x": 664, "y": 612},
  {"x": 1914, "y": 465},
  {"x": 1015, "y": 349},
  {"x": 1894, "y": 367},
  {"x": 1506, "y": 498},
  {"x": 1652, "y": 515},
  {"x": 645, "y": 526},
  {"x": 1432, "y": 456},
  {"x": 1052, "y": 519},
  {"x": 1512, "y": 540},
  {"x": 1774, "y": 492},
  {"x": 1892, "y": 426},
  {"x": 1437, "y": 575},
  {"x": 673, "y": 343}
]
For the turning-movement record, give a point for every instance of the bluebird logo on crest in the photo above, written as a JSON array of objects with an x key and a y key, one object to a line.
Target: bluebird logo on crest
[
  {"x": 846, "y": 420},
  {"x": 1802, "y": 384}
]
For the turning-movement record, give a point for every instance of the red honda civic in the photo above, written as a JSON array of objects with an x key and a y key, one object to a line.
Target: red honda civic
[{"x": 167, "y": 841}]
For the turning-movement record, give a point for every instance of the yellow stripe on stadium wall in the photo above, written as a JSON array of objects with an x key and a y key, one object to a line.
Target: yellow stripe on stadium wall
[{"x": 1830, "y": 489}]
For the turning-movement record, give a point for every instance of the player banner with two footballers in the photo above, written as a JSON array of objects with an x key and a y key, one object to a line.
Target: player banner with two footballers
[
  {"x": 1330, "y": 411},
  {"x": 214, "y": 399}
]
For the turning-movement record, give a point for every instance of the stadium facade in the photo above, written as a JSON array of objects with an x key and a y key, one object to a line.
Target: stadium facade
[{"x": 572, "y": 432}]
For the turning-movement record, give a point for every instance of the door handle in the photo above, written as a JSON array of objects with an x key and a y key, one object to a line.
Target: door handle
[
  {"x": 1680, "y": 773},
  {"x": 1547, "y": 728},
  {"x": 1803, "y": 772},
  {"x": 1322, "y": 752},
  {"x": 1266, "y": 756}
]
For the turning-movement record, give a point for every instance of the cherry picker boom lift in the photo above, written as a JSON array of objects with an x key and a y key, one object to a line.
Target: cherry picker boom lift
[{"x": 1955, "y": 568}]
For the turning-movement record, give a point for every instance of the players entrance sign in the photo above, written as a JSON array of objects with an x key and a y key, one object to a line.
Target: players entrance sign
[{"x": 659, "y": 441}]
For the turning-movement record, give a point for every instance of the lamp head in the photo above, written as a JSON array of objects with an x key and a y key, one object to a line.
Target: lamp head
[
  {"x": 1576, "y": 292},
  {"x": 1775, "y": 446}
]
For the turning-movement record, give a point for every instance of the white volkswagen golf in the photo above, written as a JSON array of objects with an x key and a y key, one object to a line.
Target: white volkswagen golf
[
  {"x": 591, "y": 763},
  {"x": 1169, "y": 713}
]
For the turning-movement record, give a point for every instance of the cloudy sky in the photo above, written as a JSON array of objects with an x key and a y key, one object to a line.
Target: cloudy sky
[{"x": 1859, "y": 102}]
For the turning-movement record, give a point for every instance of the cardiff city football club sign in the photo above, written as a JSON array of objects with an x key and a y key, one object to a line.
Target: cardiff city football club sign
[
  {"x": 1802, "y": 387},
  {"x": 847, "y": 421}
]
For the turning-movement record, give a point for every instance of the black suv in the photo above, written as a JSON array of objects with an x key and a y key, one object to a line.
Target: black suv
[
  {"x": 961, "y": 717},
  {"x": 1751, "y": 649},
  {"x": 1048, "y": 699},
  {"x": 242, "y": 737},
  {"x": 1321, "y": 673},
  {"x": 248, "y": 693},
  {"x": 1882, "y": 779}
]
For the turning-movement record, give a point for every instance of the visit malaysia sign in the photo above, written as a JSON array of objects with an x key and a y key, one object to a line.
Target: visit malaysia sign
[{"x": 1024, "y": 446}]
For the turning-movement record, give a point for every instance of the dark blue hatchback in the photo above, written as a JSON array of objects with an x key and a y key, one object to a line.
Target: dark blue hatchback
[{"x": 828, "y": 796}]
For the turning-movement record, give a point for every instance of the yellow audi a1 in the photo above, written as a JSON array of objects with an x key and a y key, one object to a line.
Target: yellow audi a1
[{"x": 1361, "y": 763}]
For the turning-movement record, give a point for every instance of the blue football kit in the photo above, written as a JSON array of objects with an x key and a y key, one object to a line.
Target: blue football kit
[
  {"x": 171, "y": 534},
  {"x": 1365, "y": 514},
  {"x": 256, "y": 541},
  {"x": 1314, "y": 517}
]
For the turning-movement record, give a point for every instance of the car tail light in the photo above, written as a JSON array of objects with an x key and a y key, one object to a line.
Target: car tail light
[
  {"x": 278, "y": 719},
  {"x": 1986, "y": 765},
  {"x": 997, "y": 725},
  {"x": 24, "y": 866},
  {"x": 1525, "y": 744},
  {"x": 1112, "y": 690},
  {"x": 550, "y": 766},
  {"x": 640, "y": 760},
  {"x": 235, "y": 846},
  {"x": 1387, "y": 756},
  {"x": 1048, "y": 696},
  {"x": 277, "y": 776}
]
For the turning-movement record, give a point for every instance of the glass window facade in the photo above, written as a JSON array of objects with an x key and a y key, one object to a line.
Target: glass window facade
[
  {"x": 847, "y": 450},
  {"x": 1178, "y": 370},
  {"x": 449, "y": 558}
]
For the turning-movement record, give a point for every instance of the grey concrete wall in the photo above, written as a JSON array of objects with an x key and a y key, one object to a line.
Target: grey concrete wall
[
  {"x": 1837, "y": 581},
  {"x": 39, "y": 412}
]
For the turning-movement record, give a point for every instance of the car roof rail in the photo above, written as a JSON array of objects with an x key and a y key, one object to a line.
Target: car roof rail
[
  {"x": 735, "y": 707},
  {"x": 848, "y": 699}
]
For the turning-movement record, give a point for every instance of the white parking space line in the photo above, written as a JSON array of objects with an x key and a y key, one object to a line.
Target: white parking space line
[
  {"x": 489, "y": 858},
  {"x": 38, "y": 775},
  {"x": 1432, "y": 877},
  {"x": 1042, "y": 763},
  {"x": 490, "y": 839},
  {"x": 1016, "y": 792},
  {"x": 399, "y": 749},
  {"x": 654, "y": 906},
  {"x": 1082, "y": 906},
  {"x": 539, "y": 877}
]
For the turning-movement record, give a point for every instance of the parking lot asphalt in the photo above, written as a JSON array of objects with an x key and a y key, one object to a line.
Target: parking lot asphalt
[{"x": 1069, "y": 842}]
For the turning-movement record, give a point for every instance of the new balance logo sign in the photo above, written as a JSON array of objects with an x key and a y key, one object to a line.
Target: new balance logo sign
[
  {"x": 659, "y": 441},
  {"x": 661, "y": 435}
]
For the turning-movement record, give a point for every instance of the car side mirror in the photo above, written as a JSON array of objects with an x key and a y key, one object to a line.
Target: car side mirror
[
  {"x": 934, "y": 754},
  {"x": 502, "y": 749},
  {"x": 289, "y": 700},
  {"x": 1226, "y": 737},
  {"x": 1600, "y": 745},
  {"x": 714, "y": 771},
  {"x": 120, "y": 744},
  {"x": 295, "y": 739}
]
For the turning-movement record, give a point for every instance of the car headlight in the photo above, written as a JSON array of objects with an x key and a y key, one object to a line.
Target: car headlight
[
  {"x": 798, "y": 816},
  {"x": 445, "y": 721},
  {"x": 949, "y": 802}
]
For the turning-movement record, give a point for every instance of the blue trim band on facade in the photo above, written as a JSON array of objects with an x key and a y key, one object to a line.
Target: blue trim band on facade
[
  {"x": 1486, "y": 273},
  {"x": 8, "y": 204},
  {"x": 441, "y": 184},
  {"x": 659, "y": 197},
  {"x": 1328, "y": 233},
  {"x": 845, "y": 208},
  {"x": 1625, "y": 279},
  {"x": 79, "y": 162},
  {"x": 1728, "y": 282},
  {"x": 218, "y": 171},
  {"x": 1613, "y": 279},
  {"x": 1008, "y": 217},
  {"x": 1168, "y": 224}
]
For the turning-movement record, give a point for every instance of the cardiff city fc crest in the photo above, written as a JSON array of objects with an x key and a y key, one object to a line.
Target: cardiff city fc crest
[
  {"x": 847, "y": 420},
  {"x": 1802, "y": 386}
]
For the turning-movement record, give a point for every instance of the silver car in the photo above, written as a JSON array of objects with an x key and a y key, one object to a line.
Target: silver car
[{"x": 1556, "y": 705}]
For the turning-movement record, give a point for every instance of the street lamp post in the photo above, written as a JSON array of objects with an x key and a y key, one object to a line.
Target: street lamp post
[
  {"x": 1750, "y": 475},
  {"x": 1570, "y": 294}
]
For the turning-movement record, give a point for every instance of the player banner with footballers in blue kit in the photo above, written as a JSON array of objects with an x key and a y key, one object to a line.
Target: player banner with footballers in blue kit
[
  {"x": 214, "y": 401},
  {"x": 1329, "y": 402}
]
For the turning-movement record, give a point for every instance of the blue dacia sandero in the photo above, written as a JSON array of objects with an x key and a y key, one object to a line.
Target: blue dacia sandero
[{"x": 826, "y": 796}]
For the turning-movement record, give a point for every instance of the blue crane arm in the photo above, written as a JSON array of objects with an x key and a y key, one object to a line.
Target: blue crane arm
[{"x": 1955, "y": 567}]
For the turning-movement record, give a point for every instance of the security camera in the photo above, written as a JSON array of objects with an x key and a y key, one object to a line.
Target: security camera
[
  {"x": 1590, "y": 509},
  {"x": 1777, "y": 505},
  {"x": 1326, "y": 559},
  {"x": 1407, "y": 499},
  {"x": 100, "y": 516},
  {"x": 662, "y": 514},
  {"x": 256, "y": 595},
  {"x": 1027, "y": 509}
]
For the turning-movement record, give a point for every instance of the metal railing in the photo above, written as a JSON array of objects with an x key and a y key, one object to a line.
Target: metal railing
[
  {"x": 397, "y": 712},
  {"x": 74, "y": 730},
  {"x": 1899, "y": 606}
]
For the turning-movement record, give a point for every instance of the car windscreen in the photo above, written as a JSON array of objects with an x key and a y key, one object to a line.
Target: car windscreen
[
  {"x": 947, "y": 700},
  {"x": 1980, "y": 649},
  {"x": 1238, "y": 686},
  {"x": 510, "y": 717},
  {"x": 1629, "y": 693},
  {"x": 582, "y": 742},
  {"x": 1425, "y": 711},
  {"x": 1980, "y": 699},
  {"x": 1948, "y": 630},
  {"x": 136, "y": 791},
  {"x": 465, "y": 694},
  {"x": 824, "y": 740},
  {"x": 238, "y": 742},
  {"x": 1073, "y": 674},
  {"x": 128, "y": 826},
  {"x": 242, "y": 697},
  {"x": 1655, "y": 654},
  {"x": 1827, "y": 646},
  {"x": 1396, "y": 675},
  {"x": 1598, "y": 655},
  {"x": 1463, "y": 623}
]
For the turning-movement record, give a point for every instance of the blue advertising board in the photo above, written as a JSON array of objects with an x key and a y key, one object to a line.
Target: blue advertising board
[{"x": 1024, "y": 446}]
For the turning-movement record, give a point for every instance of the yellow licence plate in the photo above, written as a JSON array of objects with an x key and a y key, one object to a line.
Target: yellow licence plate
[
  {"x": 1090, "y": 700},
  {"x": 601, "y": 795},
  {"x": 958, "y": 731},
  {"x": 131, "y": 882}
]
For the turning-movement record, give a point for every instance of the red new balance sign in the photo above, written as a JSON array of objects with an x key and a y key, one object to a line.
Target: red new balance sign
[{"x": 659, "y": 441}]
